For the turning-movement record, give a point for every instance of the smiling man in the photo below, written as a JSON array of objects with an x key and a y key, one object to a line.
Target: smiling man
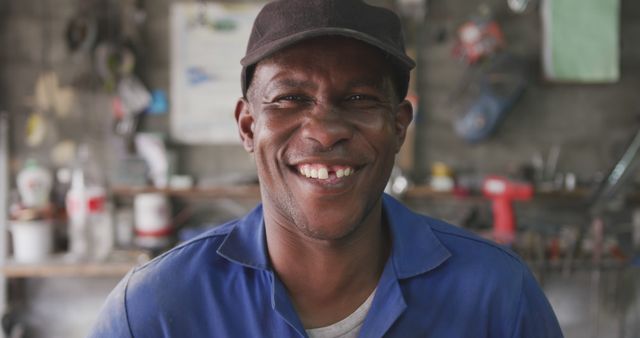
[{"x": 327, "y": 254}]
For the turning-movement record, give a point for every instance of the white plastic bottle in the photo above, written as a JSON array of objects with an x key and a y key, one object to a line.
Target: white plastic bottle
[
  {"x": 34, "y": 185},
  {"x": 90, "y": 222}
]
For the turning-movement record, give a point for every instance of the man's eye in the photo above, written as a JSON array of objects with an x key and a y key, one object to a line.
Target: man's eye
[
  {"x": 360, "y": 97},
  {"x": 291, "y": 98}
]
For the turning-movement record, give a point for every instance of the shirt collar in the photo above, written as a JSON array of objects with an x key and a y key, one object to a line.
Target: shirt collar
[
  {"x": 415, "y": 248},
  {"x": 246, "y": 243}
]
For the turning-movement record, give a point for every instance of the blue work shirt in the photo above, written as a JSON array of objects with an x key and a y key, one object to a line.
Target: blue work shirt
[{"x": 439, "y": 281}]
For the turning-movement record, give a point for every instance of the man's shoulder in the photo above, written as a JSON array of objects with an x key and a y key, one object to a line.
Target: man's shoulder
[
  {"x": 470, "y": 249},
  {"x": 186, "y": 258},
  {"x": 475, "y": 276},
  {"x": 476, "y": 263},
  {"x": 461, "y": 238},
  {"x": 447, "y": 244},
  {"x": 192, "y": 277}
]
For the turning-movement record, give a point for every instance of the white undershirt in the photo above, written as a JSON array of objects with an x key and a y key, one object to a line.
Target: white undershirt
[{"x": 346, "y": 328}]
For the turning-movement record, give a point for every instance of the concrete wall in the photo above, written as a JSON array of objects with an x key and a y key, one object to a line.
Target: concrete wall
[{"x": 592, "y": 123}]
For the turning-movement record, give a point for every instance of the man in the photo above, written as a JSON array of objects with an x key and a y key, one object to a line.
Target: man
[{"x": 327, "y": 254}]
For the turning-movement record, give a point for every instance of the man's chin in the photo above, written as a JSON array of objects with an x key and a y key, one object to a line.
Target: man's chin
[{"x": 328, "y": 233}]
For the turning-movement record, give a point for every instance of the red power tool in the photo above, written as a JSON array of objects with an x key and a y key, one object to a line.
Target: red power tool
[{"x": 502, "y": 192}]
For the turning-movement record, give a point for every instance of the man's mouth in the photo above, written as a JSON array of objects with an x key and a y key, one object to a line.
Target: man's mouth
[{"x": 324, "y": 172}]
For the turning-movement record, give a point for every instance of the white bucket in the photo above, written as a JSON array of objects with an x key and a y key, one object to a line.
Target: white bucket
[
  {"x": 152, "y": 212},
  {"x": 32, "y": 240}
]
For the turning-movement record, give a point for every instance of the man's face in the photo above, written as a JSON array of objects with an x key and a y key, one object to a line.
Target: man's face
[{"x": 324, "y": 123}]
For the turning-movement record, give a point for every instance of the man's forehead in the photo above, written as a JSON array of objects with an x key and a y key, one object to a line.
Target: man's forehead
[
  {"x": 302, "y": 82},
  {"x": 292, "y": 66}
]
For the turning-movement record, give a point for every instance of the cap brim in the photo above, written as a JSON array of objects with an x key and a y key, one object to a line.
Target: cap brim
[{"x": 274, "y": 46}]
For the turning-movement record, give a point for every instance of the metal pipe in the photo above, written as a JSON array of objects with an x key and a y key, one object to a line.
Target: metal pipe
[
  {"x": 4, "y": 204},
  {"x": 620, "y": 173}
]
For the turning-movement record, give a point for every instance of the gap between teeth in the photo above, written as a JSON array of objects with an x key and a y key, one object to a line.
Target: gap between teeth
[{"x": 323, "y": 173}]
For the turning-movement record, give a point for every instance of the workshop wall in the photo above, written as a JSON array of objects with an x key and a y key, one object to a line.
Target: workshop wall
[
  {"x": 33, "y": 42},
  {"x": 32, "y": 36},
  {"x": 591, "y": 123}
]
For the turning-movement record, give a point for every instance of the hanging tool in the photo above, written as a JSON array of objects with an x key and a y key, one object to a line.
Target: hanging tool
[
  {"x": 479, "y": 38},
  {"x": 621, "y": 173},
  {"x": 503, "y": 192},
  {"x": 518, "y": 6},
  {"x": 490, "y": 93},
  {"x": 81, "y": 32}
]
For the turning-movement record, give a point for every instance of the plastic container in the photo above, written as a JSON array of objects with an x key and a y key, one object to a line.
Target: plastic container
[
  {"x": 90, "y": 221},
  {"x": 32, "y": 240},
  {"x": 34, "y": 185},
  {"x": 441, "y": 177},
  {"x": 124, "y": 228},
  {"x": 152, "y": 212}
]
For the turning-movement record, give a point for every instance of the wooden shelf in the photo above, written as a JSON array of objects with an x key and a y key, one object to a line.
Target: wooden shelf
[
  {"x": 580, "y": 264},
  {"x": 423, "y": 191},
  {"x": 426, "y": 192},
  {"x": 581, "y": 193},
  {"x": 61, "y": 265},
  {"x": 239, "y": 191},
  {"x": 253, "y": 192}
]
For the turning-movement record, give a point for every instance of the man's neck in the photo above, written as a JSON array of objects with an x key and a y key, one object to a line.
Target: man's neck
[{"x": 328, "y": 279}]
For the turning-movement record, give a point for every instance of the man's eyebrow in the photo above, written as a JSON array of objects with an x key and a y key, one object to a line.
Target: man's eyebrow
[
  {"x": 291, "y": 83},
  {"x": 369, "y": 82}
]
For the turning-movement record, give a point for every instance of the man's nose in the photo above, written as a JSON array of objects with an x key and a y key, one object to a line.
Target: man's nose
[{"x": 326, "y": 126}]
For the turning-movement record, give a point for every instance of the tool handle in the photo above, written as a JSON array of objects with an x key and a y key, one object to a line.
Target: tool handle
[{"x": 504, "y": 225}]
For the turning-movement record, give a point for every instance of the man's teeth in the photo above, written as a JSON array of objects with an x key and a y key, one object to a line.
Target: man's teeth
[
  {"x": 344, "y": 172},
  {"x": 322, "y": 172}
]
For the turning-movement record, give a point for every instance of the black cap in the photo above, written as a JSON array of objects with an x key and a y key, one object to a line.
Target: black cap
[{"x": 285, "y": 22}]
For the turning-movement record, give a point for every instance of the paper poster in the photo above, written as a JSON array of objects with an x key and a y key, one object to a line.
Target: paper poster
[
  {"x": 581, "y": 41},
  {"x": 207, "y": 42}
]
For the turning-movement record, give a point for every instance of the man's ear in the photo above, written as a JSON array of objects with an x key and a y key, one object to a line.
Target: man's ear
[
  {"x": 245, "y": 122},
  {"x": 404, "y": 115}
]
